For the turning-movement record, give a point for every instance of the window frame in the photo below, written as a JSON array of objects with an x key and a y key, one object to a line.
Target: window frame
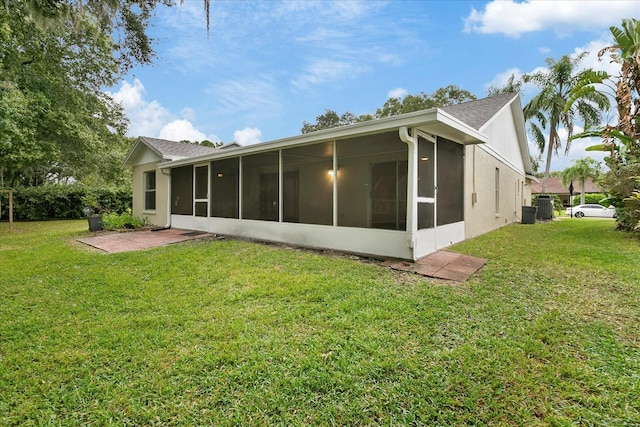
[{"x": 147, "y": 191}]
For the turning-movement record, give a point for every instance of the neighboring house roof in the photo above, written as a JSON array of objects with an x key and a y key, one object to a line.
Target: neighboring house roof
[
  {"x": 167, "y": 150},
  {"x": 477, "y": 113},
  {"x": 555, "y": 186}
]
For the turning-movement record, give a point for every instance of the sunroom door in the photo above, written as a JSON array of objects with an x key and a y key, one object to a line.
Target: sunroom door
[{"x": 426, "y": 183}]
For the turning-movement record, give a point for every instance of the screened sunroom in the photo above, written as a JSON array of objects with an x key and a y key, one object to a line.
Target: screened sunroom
[
  {"x": 402, "y": 186},
  {"x": 382, "y": 191}
]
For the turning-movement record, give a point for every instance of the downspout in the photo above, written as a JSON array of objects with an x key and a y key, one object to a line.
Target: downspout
[
  {"x": 474, "y": 194},
  {"x": 167, "y": 172},
  {"x": 412, "y": 185}
]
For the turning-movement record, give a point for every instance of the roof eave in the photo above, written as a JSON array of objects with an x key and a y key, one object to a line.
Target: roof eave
[
  {"x": 140, "y": 140},
  {"x": 433, "y": 121},
  {"x": 518, "y": 116}
]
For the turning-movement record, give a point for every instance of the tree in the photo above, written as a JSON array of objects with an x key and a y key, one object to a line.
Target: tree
[
  {"x": 207, "y": 143},
  {"x": 621, "y": 141},
  {"x": 440, "y": 98},
  {"x": 330, "y": 119},
  {"x": 535, "y": 163},
  {"x": 547, "y": 110},
  {"x": 56, "y": 121},
  {"x": 581, "y": 170},
  {"x": 392, "y": 107},
  {"x": 124, "y": 20},
  {"x": 56, "y": 56},
  {"x": 511, "y": 86}
]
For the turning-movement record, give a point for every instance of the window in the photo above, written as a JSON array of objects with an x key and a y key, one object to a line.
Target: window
[{"x": 150, "y": 191}]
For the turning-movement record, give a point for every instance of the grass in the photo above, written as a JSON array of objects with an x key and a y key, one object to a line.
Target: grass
[{"x": 225, "y": 332}]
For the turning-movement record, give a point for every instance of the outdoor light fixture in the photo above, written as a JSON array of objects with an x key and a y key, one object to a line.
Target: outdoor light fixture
[{"x": 330, "y": 171}]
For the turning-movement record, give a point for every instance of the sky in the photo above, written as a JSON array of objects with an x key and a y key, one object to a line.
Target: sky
[{"x": 268, "y": 66}]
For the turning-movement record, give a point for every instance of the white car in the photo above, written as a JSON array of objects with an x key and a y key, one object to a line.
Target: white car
[{"x": 592, "y": 210}]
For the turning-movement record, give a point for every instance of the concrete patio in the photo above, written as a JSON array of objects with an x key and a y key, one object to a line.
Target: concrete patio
[
  {"x": 440, "y": 265},
  {"x": 137, "y": 240}
]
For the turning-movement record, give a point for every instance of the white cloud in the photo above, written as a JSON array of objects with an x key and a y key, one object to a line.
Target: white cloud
[
  {"x": 146, "y": 118},
  {"x": 576, "y": 151},
  {"x": 258, "y": 96},
  {"x": 247, "y": 136},
  {"x": 188, "y": 113},
  {"x": 309, "y": 11},
  {"x": 561, "y": 161},
  {"x": 325, "y": 70},
  {"x": 591, "y": 59},
  {"x": 180, "y": 130},
  {"x": 516, "y": 18},
  {"x": 397, "y": 93},
  {"x": 150, "y": 118},
  {"x": 500, "y": 80}
]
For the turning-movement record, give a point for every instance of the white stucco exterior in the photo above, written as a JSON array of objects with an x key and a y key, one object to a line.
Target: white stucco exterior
[{"x": 337, "y": 214}]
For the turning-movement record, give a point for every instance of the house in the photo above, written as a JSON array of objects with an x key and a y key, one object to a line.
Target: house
[
  {"x": 402, "y": 186},
  {"x": 555, "y": 186}
]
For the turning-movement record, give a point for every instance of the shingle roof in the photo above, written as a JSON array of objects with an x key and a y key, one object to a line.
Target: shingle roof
[
  {"x": 477, "y": 113},
  {"x": 175, "y": 150}
]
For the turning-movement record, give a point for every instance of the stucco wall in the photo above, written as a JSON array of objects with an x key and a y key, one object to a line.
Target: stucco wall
[
  {"x": 159, "y": 216},
  {"x": 481, "y": 213}
]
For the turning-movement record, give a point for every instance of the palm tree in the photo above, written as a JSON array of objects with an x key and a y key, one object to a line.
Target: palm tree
[
  {"x": 548, "y": 106},
  {"x": 581, "y": 169},
  {"x": 622, "y": 140}
]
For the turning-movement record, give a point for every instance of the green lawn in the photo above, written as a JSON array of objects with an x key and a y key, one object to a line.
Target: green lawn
[{"x": 225, "y": 332}]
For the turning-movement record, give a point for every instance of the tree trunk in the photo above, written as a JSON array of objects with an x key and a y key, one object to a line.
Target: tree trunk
[
  {"x": 582, "y": 179},
  {"x": 552, "y": 137}
]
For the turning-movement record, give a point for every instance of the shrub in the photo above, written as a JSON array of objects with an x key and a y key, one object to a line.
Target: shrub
[
  {"x": 591, "y": 198},
  {"x": 114, "y": 221},
  {"x": 63, "y": 201}
]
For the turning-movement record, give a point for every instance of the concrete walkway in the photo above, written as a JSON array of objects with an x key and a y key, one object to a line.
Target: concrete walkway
[
  {"x": 441, "y": 265},
  {"x": 136, "y": 240}
]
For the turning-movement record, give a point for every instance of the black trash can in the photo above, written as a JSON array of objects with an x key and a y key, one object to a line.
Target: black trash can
[
  {"x": 529, "y": 214},
  {"x": 545, "y": 206},
  {"x": 95, "y": 222}
]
